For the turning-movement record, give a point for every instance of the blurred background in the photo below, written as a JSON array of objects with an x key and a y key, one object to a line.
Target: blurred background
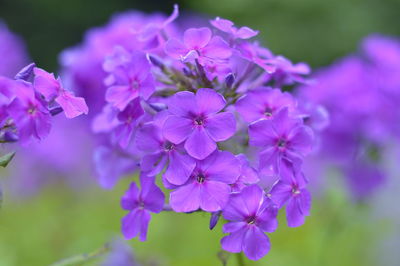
[{"x": 59, "y": 222}]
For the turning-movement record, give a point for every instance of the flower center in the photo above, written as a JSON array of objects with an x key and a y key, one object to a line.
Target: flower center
[
  {"x": 295, "y": 190},
  {"x": 168, "y": 146},
  {"x": 199, "y": 121},
  {"x": 251, "y": 220},
  {"x": 135, "y": 84},
  {"x": 281, "y": 143},
  {"x": 268, "y": 112},
  {"x": 200, "y": 178},
  {"x": 32, "y": 110}
]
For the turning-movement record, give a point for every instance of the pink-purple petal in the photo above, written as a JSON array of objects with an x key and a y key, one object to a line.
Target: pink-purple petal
[
  {"x": 186, "y": 198},
  {"x": 221, "y": 126},
  {"x": 176, "y": 129},
  {"x": 199, "y": 145}
]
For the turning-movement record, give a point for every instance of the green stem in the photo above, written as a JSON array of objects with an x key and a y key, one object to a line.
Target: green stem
[
  {"x": 83, "y": 258},
  {"x": 240, "y": 260}
]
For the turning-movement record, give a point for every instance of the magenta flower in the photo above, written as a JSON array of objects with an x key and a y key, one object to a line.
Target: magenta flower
[
  {"x": 281, "y": 137},
  {"x": 264, "y": 103},
  {"x": 195, "y": 120},
  {"x": 139, "y": 204},
  {"x": 28, "y": 112},
  {"x": 208, "y": 186},
  {"x": 291, "y": 190},
  {"x": 161, "y": 152},
  {"x": 199, "y": 44},
  {"x": 130, "y": 77},
  {"x": 51, "y": 89},
  {"x": 228, "y": 27},
  {"x": 250, "y": 214}
]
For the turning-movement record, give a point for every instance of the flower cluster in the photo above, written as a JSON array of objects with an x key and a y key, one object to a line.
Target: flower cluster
[
  {"x": 203, "y": 112},
  {"x": 28, "y": 102},
  {"x": 361, "y": 93}
]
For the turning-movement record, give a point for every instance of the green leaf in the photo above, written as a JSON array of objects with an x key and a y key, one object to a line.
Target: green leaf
[{"x": 5, "y": 159}]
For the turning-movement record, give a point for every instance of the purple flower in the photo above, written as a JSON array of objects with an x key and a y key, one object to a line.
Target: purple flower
[
  {"x": 248, "y": 175},
  {"x": 139, "y": 204},
  {"x": 195, "y": 120},
  {"x": 250, "y": 214},
  {"x": 199, "y": 44},
  {"x": 264, "y": 103},
  {"x": 29, "y": 113},
  {"x": 291, "y": 190},
  {"x": 281, "y": 137},
  {"x": 51, "y": 89},
  {"x": 129, "y": 119},
  {"x": 161, "y": 152},
  {"x": 208, "y": 186},
  {"x": 121, "y": 254},
  {"x": 287, "y": 73},
  {"x": 129, "y": 79},
  {"x": 228, "y": 27},
  {"x": 111, "y": 164}
]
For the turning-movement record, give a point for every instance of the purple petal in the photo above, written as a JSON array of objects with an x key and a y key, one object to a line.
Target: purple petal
[
  {"x": 147, "y": 87},
  {"x": 45, "y": 83},
  {"x": 183, "y": 104},
  {"x": 180, "y": 168},
  {"x": 149, "y": 138},
  {"x": 186, "y": 198},
  {"x": 196, "y": 38},
  {"x": 151, "y": 195},
  {"x": 144, "y": 224},
  {"x": 246, "y": 33},
  {"x": 252, "y": 197},
  {"x": 222, "y": 24},
  {"x": 262, "y": 133},
  {"x": 301, "y": 140},
  {"x": 130, "y": 200},
  {"x": 176, "y": 129},
  {"x": 214, "y": 196},
  {"x": 266, "y": 218},
  {"x": 120, "y": 96},
  {"x": 175, "y": 48},
  {"x": 221, "y": 166},
  {"x": 255, "y": 243},
  {"x": 153, "y": 164},
  {"x": 217, "y": 48},
  {"x": 248, "y": 174},
  {"x": 72, "y": 106},
  {"x": 134, "y": 223},
  {"x": 209, "y": 101},
  {"x": 199, "y": 145},
  {"x": 233, "y": 227},
  {"x": 297, "y": 208},
  {"x": 221, "y": 126},
  {"x": 281, "y": 193},
  {"x": 234, "y": 242}
]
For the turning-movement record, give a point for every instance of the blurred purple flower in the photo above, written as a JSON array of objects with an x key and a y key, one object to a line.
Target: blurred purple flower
[{"x": 199, "y": 44}]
